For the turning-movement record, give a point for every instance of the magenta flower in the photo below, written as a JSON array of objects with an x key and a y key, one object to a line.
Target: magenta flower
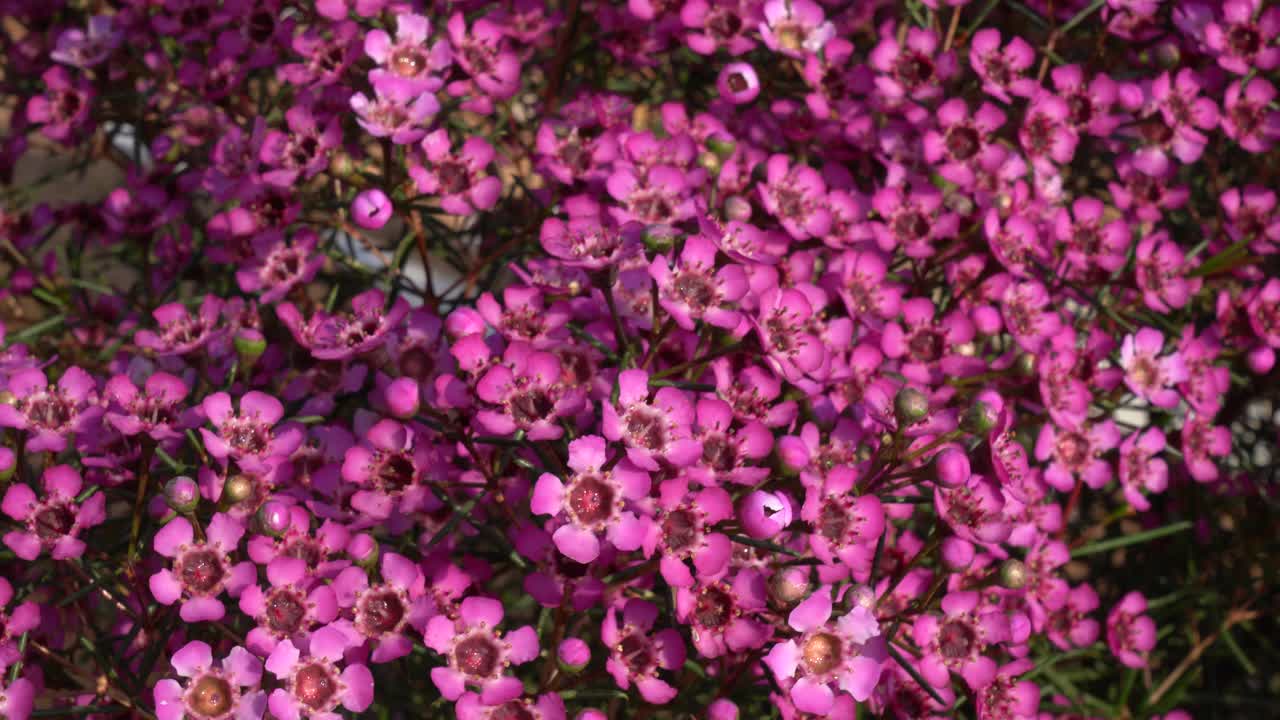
[
  {"x": 1161, "y": 269},
  {"x": 795, "y": 27},
  {"x": 341, "y": 336},
  {"x": 1075, "y": 452},
  {"x": 1047, "y": 133},
  {"x": 636, "y": 654},
  {"x": 658, "y": 196},
  {"x": 845, "y": 526},
  {"x": 87, "y": 48},
  {"x": 407, "y": 62},
  {"x": 290, "y": 608},
  {"x": 200, "y": 570},
  {"x": 1009, "y": 698},
  {"x": 483, "y": 54},
  {"x": 14, "y": 622},
  {"x": 528, "y": 391},
  {"x": 156, "y": 410},
  {"x": 588, "y": 243},
  {"x": 305, "y": 148},
  {"x": 911, "y": 219},
  {"x": 1130, "y": 633},
  {"x": 719, "y": 23},
  {"x": 1148, "y": 374},
  {"x": 372, "y": 209},
  {"x": 397, "y": 111},
  {"x": 651, "y": 430},
  {"x": 1141, "y": 469},
  {"x": 1202, "y": 441},
  {"x": 955, "y": 642},
  {"x": 1089, "y": 104},
  {"x": 974, "y": 509},
  {"x": 313, "y": 685},
  {"x": 383, "y": 612},
  {"x": 249, "y": 436},
  {"x": 1244, "y": 39},
  {"x": 386, "y": 466},
  {"x": 722, "y": 616},
  {"x": 1068, "y": 624},
  {"x": 230, "y": 689},
  {"x": 694, "y": 289},
  {"x": 796, "y": 196},
  {"x": 63, "y": 109},
  {"x": 278, "y": 266},
  {"x": 849, "y": 653},
  {"x": 728, "y": 449},
  {"x": 593, "y": 502},
  {"x": 548, "y": 706},
  {"x": 1249, "y": 116},
  {"x": 180, "y": 332},
  {"x": 477, "y": 653},
  {"x": 1094, "y": 248},
  {"x": 960, "y": 140},
  {"x": 915, "y": 69},
  {"x": 1001, "y": 68},
  {"x": 54, "y": 523},
  {"x": 684, "y": 533},
  {"x": 458, "y": 178},
  {"x": 50, "y": 414},
  {"x": 1027, "y": 315},
  {"x": 784, "y": 327}
]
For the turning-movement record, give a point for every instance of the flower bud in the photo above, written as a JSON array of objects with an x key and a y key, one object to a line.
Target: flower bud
[
  {"x": 182, "y": 494},
  {"x": 401, "y": 396},
  {"x": 789, "y": 586},
  {"x": 1026, "y": 364},
  {"x": 737, "y": 208},
  {"x": 591, "y": 714},
  {"x": 723, "y": 147},
  {"x": 273, "y": 518},
  {"x": 237, "y": 489},
  {"x": 573, "y": 654},
  {"x": 341, "y": 165},
  {"x": 722, "y": 709},
  {"x": 910, "y": 406},
  {"x": 953, "y": 466},
  {"x": 765, "y": 514},
  {"x": 8, "y": 398},
  {"x": 659, "y": 239},
  {"x": 363, "y": 549},
  {"x": 249, "y": 344},
  {"x": 979, "y": 419},
  {"x": 1013, "y": 574},
  {"x": 858, "y": 595},
  {"x": 371, "y": 209},
  {"x": 709, "y": 162}
]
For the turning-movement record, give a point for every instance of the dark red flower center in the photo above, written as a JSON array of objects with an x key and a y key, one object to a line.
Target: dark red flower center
[
  {"x": 394, "y": 472},
  {"x": 381, "y": 612},
  {"x": 54, "y": 521},
  {"x": 637, "y": 653},
  {"x": 201, "y": 570},
  {"x": 956, "y": 639},
  {"x": 714, "y": 607},
  {"x": 680, "y": 529},
  {"x": 477, "y": 655},
  {"x": 963, "y": 142},
  {"x": 591, "y": 499},
  {"x": 718, "y": 453},
  {"x": 285, "y": 611},
  {"x": 315, "y": 686},
  {"x": 646, "y": 428},
  {"x": 407, "y": 62},
  {"x": 530, "y": 406}
]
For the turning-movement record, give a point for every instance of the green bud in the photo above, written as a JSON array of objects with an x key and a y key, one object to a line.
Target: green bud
[{"x": 910, "y": 406}]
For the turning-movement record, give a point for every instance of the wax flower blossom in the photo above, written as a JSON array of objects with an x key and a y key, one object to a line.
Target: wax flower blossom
[
  {"x": 637, "y": 654},
  {"x": 53, "y": 523},
  {"x": 849, "y": 653},
  {"x": 229, "y": 689},
  {"x": 478, "y": 655},
  {"x": 313, "y": 686},
  {"x": 200, "y": 570},
  {"x": 1147, "y": 373},
  {"x": 50, "y": 414}
]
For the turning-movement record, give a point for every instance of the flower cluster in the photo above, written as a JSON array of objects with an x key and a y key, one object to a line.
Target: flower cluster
[{"x": 661, "y": 358}]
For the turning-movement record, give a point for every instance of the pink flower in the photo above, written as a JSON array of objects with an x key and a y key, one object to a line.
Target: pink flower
[
  {"x": 636, "y": 656},
  {"x": 341, "y": 336},
  {"x": 1076, "y": 452},
  {"x": 249, "y": 436},
  {"x": 721, "y": 616},
  {"x": 849, "y": 652},
  {"x": 157, "y": 410},
  {"x": 845, "y": 526},
  {"x": 685, "y": 532},
  {"x": 50, "y": 414},
  {"x": 180, "y": 332},
  {"x": 1249, "y": 117},
  {"x": 14, "y": 622},
  {"x": 1161, "y": 270},
  {"x": 477, "y": 653},
  {"x": 279, "y": 266},
  {"x": 54, "y": 523},
  {"x": 313, "y": 685},
  {"x": 528, "y": 391},
  {"x": 795, "y": 27},
  {"x": 1068, "y": 624},
  {"x": 230, "y": 689},
  {"x": 387, "y": 466},
  {"x": 593, "y": 502},
  {"x": 460, "y": 178},
  {"x": 1130, "y": 633},
  {"x": 796, "y": 196},
  {"x": 292, "y": 606},
  {"x": 695, "y": 289},
  {"x": 1001, "y": 69},
  {"x": 1140, "y": 468},
  {"x": 1149, "y": 375},
  {"x": 651, "y": 430},
  {"x": 955, "y": 642},
  {"x": 407, "y": 61},
  {"x": 200, "y": 570},
  {"x": 381, "y": 613}
]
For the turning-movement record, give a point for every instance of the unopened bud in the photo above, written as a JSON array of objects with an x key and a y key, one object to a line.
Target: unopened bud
[
  {"x": 788, "y": 586},
  {"x": 979, "y": 419},
  {"x": 1027, "y": 364},
  {"x": 273, "y": 518},
  {"x": 1013, "y": 574},
  {"x": 710, "y": 162},
  {"x": 858, "y": 596},
  {"x": 182, "y": 494},
  {"x": 659, "y": 239},
  {"x": 8, "y": 398},
  {"x": 363, "y": 549},
  {"x": 249, "y": 344},
  {"x": 737, "y": 208},
  {"x": 237, "y": 489},
  {"x": 573, "y": 654},
  {"x": 723, "y": 148},
  {"x": 910, "y": 406},
  {"x": 341, "y": 165},
  {"x": 402, "y": 397}
]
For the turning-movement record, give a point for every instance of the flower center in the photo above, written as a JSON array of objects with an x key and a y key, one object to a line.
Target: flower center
[
  {"x": 956, "y": 640},
  {"x": 407, "y": 62},
  {"x": 913, "y": 69},
  {"x": 210, "y": 696},
  {"x": 680, "y": 529},
  {"x": 395, "y": 472},
  {"x": 645, "y": 428},
  {"x": 512, "y": 710},
  {"x": 833, "y": 520},
  {"x": 381, "y": 612},
  {"x": 714, "y": 607},
  {"x": 53, "y": 521},
  {"x": 246, "y": 436},
  {"x": 531, "y": 406},
  {"x": 285, "y": 611},
  {"x": 478, "y": 655},
  {"x": 315, "y": 686},
  {"x": 591, "y": 500},
  {"x": 1073, "y": 449},
  {"x": 963, "y": 142},
  {"x": 637, "y": 653},
  {"x": 718, "y": 453},
  {"x": 821, "y": 653},
  {"x": 694, "y": 288},
  {"x": 201, "y": 571},
  {"x": 737, "y": 82},
  {"x": 47, "y": 409}
]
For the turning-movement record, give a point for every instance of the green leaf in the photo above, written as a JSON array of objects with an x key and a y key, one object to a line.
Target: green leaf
[{"x": 1127, "y": 540}]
